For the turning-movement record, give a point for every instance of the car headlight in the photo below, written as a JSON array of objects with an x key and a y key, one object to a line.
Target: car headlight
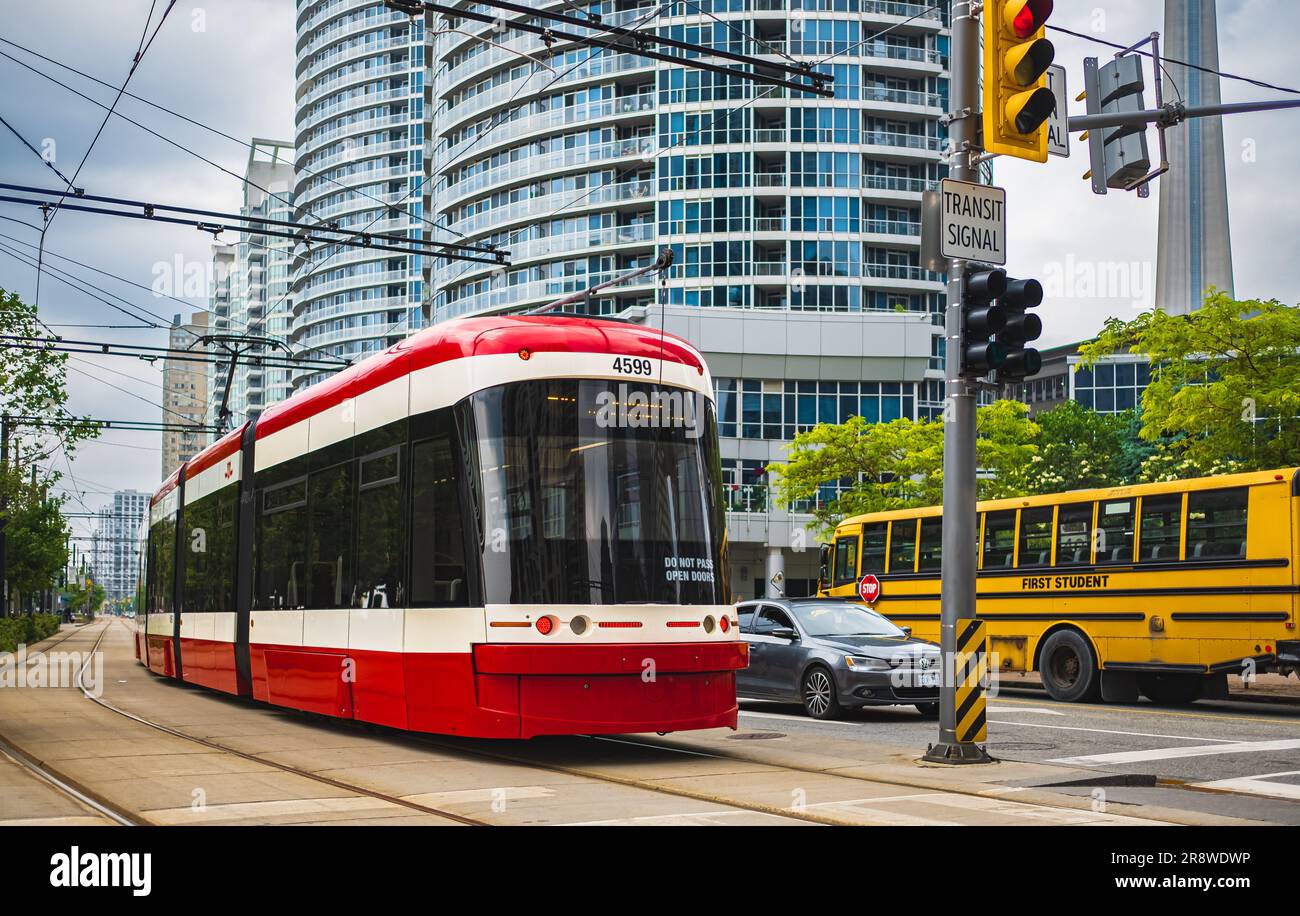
[{"x": 858, "y": 663}]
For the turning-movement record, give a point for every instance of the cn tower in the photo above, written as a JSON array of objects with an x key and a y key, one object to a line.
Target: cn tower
[{"x": 1195, "y": 243}]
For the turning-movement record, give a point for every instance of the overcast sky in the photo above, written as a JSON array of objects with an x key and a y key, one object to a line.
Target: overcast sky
[{"x": 229, "y": 64}]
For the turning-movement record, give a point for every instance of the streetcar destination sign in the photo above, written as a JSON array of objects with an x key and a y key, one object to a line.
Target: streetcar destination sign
[{"x": 973, "y": 222}]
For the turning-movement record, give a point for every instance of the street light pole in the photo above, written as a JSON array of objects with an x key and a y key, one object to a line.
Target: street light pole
[{"x": 957, "y": 600}]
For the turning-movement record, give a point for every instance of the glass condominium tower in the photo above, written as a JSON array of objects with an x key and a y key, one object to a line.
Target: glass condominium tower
[
  {"x": 359, "y": 162},
  {"x": 582, "y": 163}
]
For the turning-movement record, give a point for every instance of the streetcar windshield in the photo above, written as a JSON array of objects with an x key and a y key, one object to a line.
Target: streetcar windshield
[{"x": 594, "y": 492}]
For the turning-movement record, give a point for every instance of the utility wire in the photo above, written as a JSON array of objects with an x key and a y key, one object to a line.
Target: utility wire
[
  {"x": 1170, "y": 60},
  {"x": 302, "y": 170},
  {"x": 37, "y": 153},
  {"x": 141, "y": 50}
]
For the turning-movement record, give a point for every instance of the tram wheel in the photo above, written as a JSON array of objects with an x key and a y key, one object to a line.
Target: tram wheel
[
  {"x": 818, "y": 693},
  {"x": 1170, "y": 689},
  {"x": 1068, "y": 668}
]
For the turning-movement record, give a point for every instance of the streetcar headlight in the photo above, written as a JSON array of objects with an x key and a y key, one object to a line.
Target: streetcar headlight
[{"x": 858, "y": 663}]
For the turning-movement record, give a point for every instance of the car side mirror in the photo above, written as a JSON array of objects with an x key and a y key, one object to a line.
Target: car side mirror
[
  {"x": 785, "y": 633},
  {"x": 907, "y": 631},
  {"x": 823, "y": 573}
]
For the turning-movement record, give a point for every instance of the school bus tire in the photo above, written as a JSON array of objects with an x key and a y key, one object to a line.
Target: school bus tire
[{"x": 1068, "y": 667}]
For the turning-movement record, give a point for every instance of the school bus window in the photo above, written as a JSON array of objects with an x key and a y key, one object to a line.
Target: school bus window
[
  {"x": 1160, "y": 528},
  {"x": 999, "y": 539},
  {"x": 1216, "y": 524},
  {"x": 902, "y": 547},
  {"x": 1035, "y": 537},
  {"x": 1115, "y": 545},
  {"x": 846, "y": 561},
  {"x": 1074, "y": 535},
  {"x": 931, "y": 559},
  {"x": 873, "y": 549}
]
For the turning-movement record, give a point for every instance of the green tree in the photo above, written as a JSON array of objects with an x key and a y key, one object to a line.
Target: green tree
[
  {"x": 1079, "y": 449},
  {"x": 1225, "y": 389},
  {"x": 82, "y": 599},
  {"x": 33, "y": 384},
  {"x": 900, "y": 464}
]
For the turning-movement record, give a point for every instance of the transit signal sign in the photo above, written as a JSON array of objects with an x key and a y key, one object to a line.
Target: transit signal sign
[
  {"x": 869, "y": 588},
  {"x": 972, "y": 222}
]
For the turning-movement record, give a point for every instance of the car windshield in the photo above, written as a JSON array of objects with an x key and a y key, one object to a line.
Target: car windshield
[{"x": 828, "y": 618}]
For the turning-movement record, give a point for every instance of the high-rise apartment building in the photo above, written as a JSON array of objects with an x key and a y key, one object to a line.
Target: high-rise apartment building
[
  {"x": 184, "y": 394},
  {"x": 115, "y": 549},
  {"x": 794, "y": 219},
  {"x": 251, "y": 290},
  {"x": 360, "y": 123}
]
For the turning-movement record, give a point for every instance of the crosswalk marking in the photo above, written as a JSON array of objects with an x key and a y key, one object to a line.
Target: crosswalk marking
[
  {"x": 1257, "y": 785},
  {"x": 1172, "y": 753}
]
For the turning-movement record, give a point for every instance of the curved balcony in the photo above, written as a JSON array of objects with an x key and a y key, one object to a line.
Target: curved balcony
[
  {"x": 540, "y": 122},
  {"x": 551, "y": 164},
  {"x": 313, "y": 119},
  {"x": 544, "y": 206}
]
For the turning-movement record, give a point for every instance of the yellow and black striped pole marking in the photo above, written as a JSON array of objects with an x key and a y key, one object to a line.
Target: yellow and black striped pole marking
[{"x": 970, "y": 670}]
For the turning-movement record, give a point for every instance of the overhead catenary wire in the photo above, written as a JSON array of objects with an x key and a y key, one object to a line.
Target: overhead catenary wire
[
  {"x": 141, "y": 49},
  {"x": 37, "y": 153},
  {"x": 219, "y": 223},
  {"x": 301, "y": 170},
  {"x": 1171, "y": 60}
]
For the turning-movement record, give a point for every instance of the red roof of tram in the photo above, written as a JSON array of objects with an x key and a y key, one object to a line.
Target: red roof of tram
[{"x": 442, "y": 343}]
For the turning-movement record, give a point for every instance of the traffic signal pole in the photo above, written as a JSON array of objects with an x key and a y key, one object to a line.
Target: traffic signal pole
[{"x": 959, "y": 513}]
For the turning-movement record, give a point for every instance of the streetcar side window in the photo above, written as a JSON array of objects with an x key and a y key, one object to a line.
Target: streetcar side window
[
  {"x": 1216, "y": 524},
  {"x": 1035, "y": 537},
  {"x": 438, "y": 571},
  {"x": 1115, "y": 532},
  {"x": 328, "y": 575},
  {"x": 902, "y": 547},
  {"x": 380, "y": 530},
  {"x": 281, "y": 544},
  {"x": 1160, "y": 528},
  {"x": 846, "y": 561},
  {"x": 874, "y": 538},
  {"x": 1074, "y": 535},
  {"x": 999, "y": 539},
  {"x": 931, "y": 550}
]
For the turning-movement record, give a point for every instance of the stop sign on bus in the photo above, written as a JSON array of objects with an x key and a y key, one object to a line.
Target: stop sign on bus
[{"x": 869, "y": 588}]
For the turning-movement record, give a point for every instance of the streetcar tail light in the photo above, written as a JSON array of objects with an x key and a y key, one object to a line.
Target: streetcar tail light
[
  {"x": 724, "y": 622},
  {"x": 683, "y": 623},
  {"x": 525, "y": 354},
  {"x": 619, "y": 624},
  {"x": 545, "y": 625}
]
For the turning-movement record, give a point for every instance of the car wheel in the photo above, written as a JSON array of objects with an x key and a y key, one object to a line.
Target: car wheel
[
  {"x": 818, "y": 694},
  {"x": 928, "y": 710},
  {"x": 1170, "y": 689},
  {"x": 1069, "y": 668}
]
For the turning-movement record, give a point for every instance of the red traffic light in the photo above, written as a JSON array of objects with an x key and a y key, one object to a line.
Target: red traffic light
[{"x": 1025, "y": 17}]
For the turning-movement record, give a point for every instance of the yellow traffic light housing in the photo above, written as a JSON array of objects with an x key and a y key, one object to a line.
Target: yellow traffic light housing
[{"x": 1017, "y": 102}]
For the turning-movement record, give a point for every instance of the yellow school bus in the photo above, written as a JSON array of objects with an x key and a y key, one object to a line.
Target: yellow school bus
[{"x": 1159, "y": 589}]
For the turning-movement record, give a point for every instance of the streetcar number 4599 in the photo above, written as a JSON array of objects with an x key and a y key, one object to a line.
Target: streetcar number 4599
[{"x": 631, "y": 366}]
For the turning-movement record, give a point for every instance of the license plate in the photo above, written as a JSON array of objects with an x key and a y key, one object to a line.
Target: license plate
[{"x": 927, "y": 679}]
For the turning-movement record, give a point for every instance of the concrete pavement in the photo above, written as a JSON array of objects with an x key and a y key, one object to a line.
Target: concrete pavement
[{"x": 263, "y": 765}]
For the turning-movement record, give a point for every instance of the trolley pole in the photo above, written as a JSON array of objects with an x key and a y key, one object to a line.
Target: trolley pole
[{"x": 957, "y": 602}]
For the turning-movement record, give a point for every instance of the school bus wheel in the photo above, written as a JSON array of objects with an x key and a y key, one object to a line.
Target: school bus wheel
[{"x": 1068, "y": 667}]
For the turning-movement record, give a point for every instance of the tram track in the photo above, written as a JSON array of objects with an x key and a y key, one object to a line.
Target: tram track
[{"x": 120, "y": 816}]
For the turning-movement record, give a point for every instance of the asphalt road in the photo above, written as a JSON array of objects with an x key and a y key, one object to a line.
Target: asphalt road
[{"x": 1234, "y": 757}]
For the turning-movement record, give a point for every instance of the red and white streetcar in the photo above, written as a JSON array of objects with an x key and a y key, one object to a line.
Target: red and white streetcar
[{"x": 499, "y": 527}]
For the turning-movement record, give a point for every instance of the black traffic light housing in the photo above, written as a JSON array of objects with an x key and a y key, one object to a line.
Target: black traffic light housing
[
  {"x": 1020, "y": 327},
  {"x": 983, "y": 318}
]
